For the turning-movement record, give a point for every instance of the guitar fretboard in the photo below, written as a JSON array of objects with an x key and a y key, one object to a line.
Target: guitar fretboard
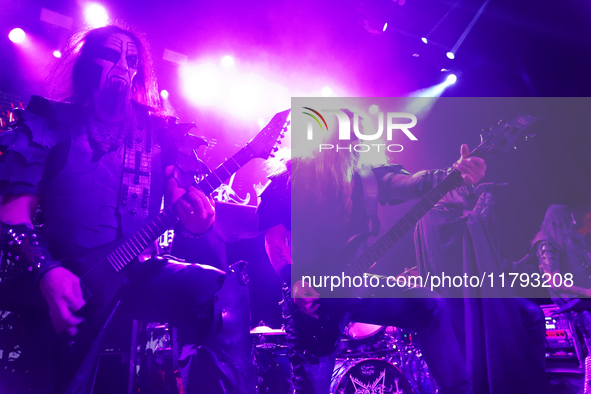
[
  {"x": 406, "y": 223},
  {"x": 166, "y": 219}
]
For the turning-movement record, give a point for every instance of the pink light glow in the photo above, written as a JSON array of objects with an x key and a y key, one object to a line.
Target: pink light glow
[{"x": 17, "y": 35}]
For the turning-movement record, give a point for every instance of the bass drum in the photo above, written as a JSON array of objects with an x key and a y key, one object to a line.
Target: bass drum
[
  {"x": 371, "y": 376},
  {"x": 362, "y": 340}
]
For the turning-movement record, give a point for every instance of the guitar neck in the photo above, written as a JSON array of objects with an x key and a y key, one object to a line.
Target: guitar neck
[
  {"x": 134, "y": 245},
  {"x": 371, "y": 256},
  {"x": 499, "y": 138},
  {"x": 225, "y": 170}
]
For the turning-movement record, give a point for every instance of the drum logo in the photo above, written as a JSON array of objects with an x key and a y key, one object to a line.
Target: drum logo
[
  {"x": 367, "y": 369},
  {"x": 378, "y": 386}
]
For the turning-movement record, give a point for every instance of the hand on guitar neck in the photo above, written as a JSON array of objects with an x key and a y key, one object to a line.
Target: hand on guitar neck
[
  {"x": 195, "y": 209},
  {"x": 471, "y": 167}
]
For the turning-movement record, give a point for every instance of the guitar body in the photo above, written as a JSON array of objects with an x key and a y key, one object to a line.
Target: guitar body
[
  {"x": 103, "y": 271},
  {"x": 100, "y": 290},
  {"x": 89, "y": 263}
]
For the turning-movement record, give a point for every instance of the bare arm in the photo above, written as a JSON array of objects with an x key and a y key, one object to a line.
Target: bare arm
[
  {"x": 277, "y": 247},
  {"x": 277, "y": 241},
  {"x": 18, "y": 210}
]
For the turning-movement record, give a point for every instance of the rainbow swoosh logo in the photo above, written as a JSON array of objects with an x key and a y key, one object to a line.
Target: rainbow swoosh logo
[{"x": 315, "y": 118}]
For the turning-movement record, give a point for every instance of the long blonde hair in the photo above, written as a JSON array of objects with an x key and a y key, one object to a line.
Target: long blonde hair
[{"x": 327, "y": 173}]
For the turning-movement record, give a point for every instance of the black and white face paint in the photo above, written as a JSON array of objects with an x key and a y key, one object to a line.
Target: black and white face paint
[{"x": 118, "y": 58}]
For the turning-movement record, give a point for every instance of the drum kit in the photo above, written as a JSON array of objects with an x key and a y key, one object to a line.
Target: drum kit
[{"x": 370, "y": 359}]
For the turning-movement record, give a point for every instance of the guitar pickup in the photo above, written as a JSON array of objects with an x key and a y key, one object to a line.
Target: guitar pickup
[{"x": 145, "y": 195}]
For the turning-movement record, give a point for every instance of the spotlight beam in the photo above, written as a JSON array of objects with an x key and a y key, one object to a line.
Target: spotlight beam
[
  {"x": 442, "y": 19},
  {"x": 454, "y": 50}
]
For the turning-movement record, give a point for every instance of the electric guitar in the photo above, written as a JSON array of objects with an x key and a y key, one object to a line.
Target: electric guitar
[
  {"x": 102, "y": 272},
  {"x": 320, "y": 336}
]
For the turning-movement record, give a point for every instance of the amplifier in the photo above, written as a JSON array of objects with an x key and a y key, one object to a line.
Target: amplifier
[{"x": 563, "y": 349}]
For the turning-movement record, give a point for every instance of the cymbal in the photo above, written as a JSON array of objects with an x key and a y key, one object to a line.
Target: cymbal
[{"x": 267, "y": 331}]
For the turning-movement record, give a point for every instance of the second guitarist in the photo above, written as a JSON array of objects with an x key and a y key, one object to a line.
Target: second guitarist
[{"x": 324, "y": 200}]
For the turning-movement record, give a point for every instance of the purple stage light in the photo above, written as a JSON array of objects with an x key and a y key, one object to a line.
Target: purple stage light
[
  {"x": 242, "y": 92},
  {"x": 326, "y": 91},
  {"x": 451, "y": 79},
  {"x": 385, "y": 26},
  {"x": 227, "y": 61},
  {"x": 164, "y": 94},
  {"x": 424, "y": 39},
  {"x": 17, "y": 35},
  {"x": 201, "y": 83},
  {"x": 245, "y": 96},
  {"x": 450, "y": 55},
  {"x": 57, "y": 54},
  {"x": 96, "y": 15}
]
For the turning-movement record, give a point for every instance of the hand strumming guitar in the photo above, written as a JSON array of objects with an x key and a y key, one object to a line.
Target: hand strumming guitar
[
  {"x": 472, "y": 168},
  {"x": 62, "y": 292}
]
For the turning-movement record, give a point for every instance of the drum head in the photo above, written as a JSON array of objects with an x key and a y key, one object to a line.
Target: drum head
[
  {"x": 361, "y": 330},
  {"x": 373, "y": 376}
]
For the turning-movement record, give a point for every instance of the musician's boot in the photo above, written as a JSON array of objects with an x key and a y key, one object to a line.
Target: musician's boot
[{"x": 225, "y": 359}]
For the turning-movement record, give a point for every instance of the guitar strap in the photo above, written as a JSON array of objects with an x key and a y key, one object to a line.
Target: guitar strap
[
  {"x": 369, "y": 185},
  {"x": 134, "y": 198}
]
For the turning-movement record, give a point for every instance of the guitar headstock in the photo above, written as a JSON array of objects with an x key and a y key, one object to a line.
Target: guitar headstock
[
  {"x": 264, "y": 142},
  {"x": 504, "y": 136}
]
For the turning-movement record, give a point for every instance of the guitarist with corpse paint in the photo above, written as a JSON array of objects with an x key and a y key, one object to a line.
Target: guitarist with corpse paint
[
  {"x": 561, "y": 250},
  {"x": 98, "y": 164},
  {"x": 322, "y": 199}
]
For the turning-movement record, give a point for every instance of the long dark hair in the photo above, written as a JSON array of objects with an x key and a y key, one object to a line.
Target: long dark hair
[
  {"x": 75, "y": 76},
  {"x": 557, "y": 226}
]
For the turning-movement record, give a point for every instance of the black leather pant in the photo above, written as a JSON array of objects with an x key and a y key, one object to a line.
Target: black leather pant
[
  {"x": 428, "y": 316},
  {"x": 210, "y": 309}
]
